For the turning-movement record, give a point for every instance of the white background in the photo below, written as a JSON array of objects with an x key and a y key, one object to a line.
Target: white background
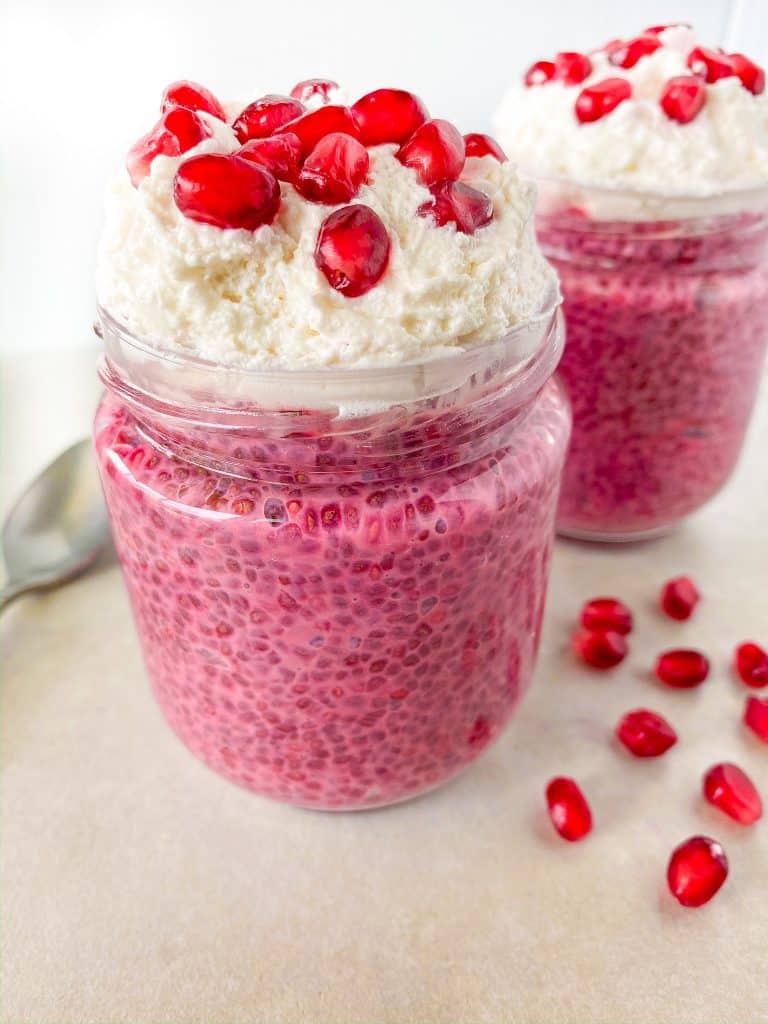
[{"x": 79, "y": 82}]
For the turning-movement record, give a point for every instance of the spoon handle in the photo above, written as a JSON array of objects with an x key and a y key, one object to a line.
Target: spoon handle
[{"x": 11, "y": 591}]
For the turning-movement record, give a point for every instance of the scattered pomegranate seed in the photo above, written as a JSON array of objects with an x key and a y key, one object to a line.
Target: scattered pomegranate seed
[
  {"x": 453, "y": 202},
  {"x": 226, "y": 191},
  {"x": 193, "y": 97},
  {"x": 682, "y": 669},
  {"x": 679, "y": 597},
  {"x": 730, "y": 789},
  {"x": 264, "y": 116},
  {"x": 756, "y": 717},
  {"x": 646, "y": 734},
  {"x": 334, "y": 170},
  {"x": 697, "y": 869},
  {"x": 709, "y": 64},
  {"x": 607, "y": 613},
  {"x": 539, "y": 73},
  {"x": 595, "y": 101},
  {"x": 279, "y": 154},
  {"x": 388, "y": 115},
  {"x": 629, "y": 53},
  {"x": 312, "y": 126},
  {"x": 751, "y": 75},
  {"x": 311, "y": 87},
  {"x": 568, "y": 809},
  {"x": 683, "y": 97},
  {"x": 435, "y": 151},
  {"x": 572, "y": 68},
  {"x": 752, "y": 664},
  {"x": 601, "y": 648},
  {"x": 176, "y": 132},
  {"x": 352, "y": 250},
  {"x": 477, "y": 144}
]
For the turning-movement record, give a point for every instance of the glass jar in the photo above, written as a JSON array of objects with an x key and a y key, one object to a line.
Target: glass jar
[
  {"x": 339, "y": 606},
  {"x": 666, "y": 307}
]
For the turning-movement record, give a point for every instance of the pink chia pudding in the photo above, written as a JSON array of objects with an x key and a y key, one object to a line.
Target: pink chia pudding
[{"x": 332, "y": 493}]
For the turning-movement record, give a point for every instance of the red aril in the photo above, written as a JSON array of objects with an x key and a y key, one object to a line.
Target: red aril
[
  {"x": 279, "y": 154},
  {"x": 334, "y": 170},
  {"x": 607, "y": 613},
  {"x": 477, "y": 144},
  {"x": 756, "y": 717},
  {"x": 540, "y": 72},
  {"x": 311, "y": 87},
  {"x": 627, "y": 54},
  {"x": 453, "y": 202},
  {"x": 731, "y": 790},
  {"x": 645, "y": 734},
  {"x": 388, "y": 115},
  {"x": 568, "y": 809},
  {"x": 679, "y": 597},
  {"x": 264, "y": 116},
  {"x": 683, "y": 97},
  {"x": 435, "y": 151},
  {"x": 572, "y": 68},
  {"x": 656, "y": 30},
  {"x": 750, "y": 75},
  {"x": 697, "y": 869},
  {"x": 595, "y": 101},
  {"x": 601, "y": 648},
  {"x": 176, "y": 132},
  {"x": 226, "y": 191},
  {"x": 352, "y": 250},
  {"x": 751, "y": 663},
  {"x": 312, "y": 126},
  {"x": 682, "y": 669},
  {"x": 193, "y": 97},
  {"x": 709, "y": 64}
]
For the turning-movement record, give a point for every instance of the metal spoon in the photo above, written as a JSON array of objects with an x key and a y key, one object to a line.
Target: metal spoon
[{"x": 57, "y": 527}]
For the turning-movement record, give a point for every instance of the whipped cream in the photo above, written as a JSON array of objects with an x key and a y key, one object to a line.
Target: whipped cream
[
  {"x": 257, "y": 300},
  {"x": 723, "y": 149}
]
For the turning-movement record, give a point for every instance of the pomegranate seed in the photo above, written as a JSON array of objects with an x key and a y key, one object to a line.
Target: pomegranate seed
[
  {"x": 477, "y": 144},
  {"x": 311, "y": 87},
  {"x": 683, "y": 97},
  {"x": 679, "y": 597},
  {"x": 607, "y": 613},
  {"x": 334, "y": 170},
  {"x": 601, "y": 648},
  {"x": 756, "y": 717},
  {"x": 656, "y": 30},
  {"x": 628, "y": 54},
  {"x": 682, "y": 669},
  {"x": 434, "y": 151},
  {"x": 226, "y": 191},
  {"x": 193, "y": 97},
  {"x": 572, "y": 68},
  {"x": 709, "y": 64},
  {"x": 595, "y": 101},
  {"x": 454, "y": 202},
  {"x": 646, "y": 734},
  {"x": 279, "y": 154},
  {"x": 263, "y": 117},
  {"x": 388, "y": 115},
  {"x": 752, "y": 664},
  {"x": 177, "y": 131},
  {"x": 352, "y": 250},
  {"x": 730, "y": 789},
  {"x": 312, "y": 126},
  {"x": 539, "y": 73},
  {"x": 751, "y": 75},
  {"x": 568, "y": 809},
  {"x": 697, "y": 869}
]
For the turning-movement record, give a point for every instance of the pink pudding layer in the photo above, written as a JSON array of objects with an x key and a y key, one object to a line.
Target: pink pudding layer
[
  {"x": 667, "y": 326},
  {"x": 332, "y": 622}
]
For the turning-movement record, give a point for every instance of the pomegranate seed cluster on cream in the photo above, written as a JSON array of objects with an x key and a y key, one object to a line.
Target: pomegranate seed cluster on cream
[
  {"x": 296, "y": 232},
  {"x": 659, "y": 113}
]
